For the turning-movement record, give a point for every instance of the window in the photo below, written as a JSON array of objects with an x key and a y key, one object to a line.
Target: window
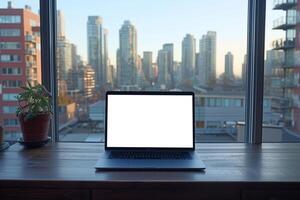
[
  {"x": 219, "y": 102},
  {"x": 11, "y": 122},
  {"x": 121, "y": 50},
  {"x": 10, "y": 19},
  {"x": 4, "y": 32},
  {"x": 11, "y": 83},
  {"x": 9, "y": 109},
  {"x": 281, "y": 79},
  {"x": 11, "y": 71},
  {"x": 20, "y": 57},
  {"x": 10, "y": 58},
  {"x": 9, "y": 97},
  {"x": 10, "y": 45},
  {"x": 96, "y": 54}
]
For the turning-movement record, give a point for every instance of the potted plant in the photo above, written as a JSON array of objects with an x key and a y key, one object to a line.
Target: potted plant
[{"x": 34, "y": 113}]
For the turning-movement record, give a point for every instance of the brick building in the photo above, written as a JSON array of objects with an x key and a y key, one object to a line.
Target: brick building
[{"x": 20, "y": 61}]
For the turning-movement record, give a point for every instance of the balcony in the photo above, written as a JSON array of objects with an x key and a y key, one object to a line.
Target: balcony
[
  {"x": 284, "y": 4},
  {"x": 291, "y": 63},
  {"x": 30, "y": 51},
  {"x": 282, "y": 44},
  {"x": 289, "y": 82},
  {"x": 284, "y": 23},
  {"x": 282, "y": 103},
  {"x": 32, "y": 76},
  {"x": 31, "y": 64},
  {"x": 30, "y": 38}
]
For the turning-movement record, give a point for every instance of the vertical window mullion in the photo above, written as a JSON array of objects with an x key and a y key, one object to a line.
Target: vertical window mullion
[
  {"x": 255, "y": 71},
  {"x": 48, "y": 46}
]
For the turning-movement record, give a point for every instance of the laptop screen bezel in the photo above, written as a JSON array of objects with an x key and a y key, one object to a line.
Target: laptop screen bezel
[{"x": 149, "y": 93}]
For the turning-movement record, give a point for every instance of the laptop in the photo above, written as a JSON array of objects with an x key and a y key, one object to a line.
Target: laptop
[{"x": 149, "y": 131}]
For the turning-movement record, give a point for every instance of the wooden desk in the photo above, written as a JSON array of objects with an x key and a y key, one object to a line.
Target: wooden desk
[{"x": 234, "y": 171}]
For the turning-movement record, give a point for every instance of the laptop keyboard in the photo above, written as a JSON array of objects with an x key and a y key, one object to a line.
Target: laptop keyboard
[{"x": 150, "y": 155}]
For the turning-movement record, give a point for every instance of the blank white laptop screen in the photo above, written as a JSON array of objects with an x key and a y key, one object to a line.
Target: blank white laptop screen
[{"x": 150, "y": 121}]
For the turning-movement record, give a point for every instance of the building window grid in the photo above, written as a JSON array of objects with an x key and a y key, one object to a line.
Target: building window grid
[
  {"x": 11, "y": 71},
  {"x": 11, "y": 122},
  {"x": 10, "y": 58},
  {"x": 11, "y": 83},
  {"x": 10, "y": 45},
  {"x": 9, "y": 97},
  {"x": 9, "y": 109},
  {"x": 10, "y": 19},
  {"x": 10, "y": 32}
]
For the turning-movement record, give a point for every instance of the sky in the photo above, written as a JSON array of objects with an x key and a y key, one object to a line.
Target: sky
[{"x": 163, "y": 21}]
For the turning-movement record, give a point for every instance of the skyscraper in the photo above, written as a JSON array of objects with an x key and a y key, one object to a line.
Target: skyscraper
[
  {"x": 105, "y": 55},
  {"x": 20, "y": 61},
  {"x": 162, "y": 63},
  {"x": 111, "y": 75},
  {"x": 60, "y": 24},
  {"x": 147, "y": 65},
  {"x": 73, "y": 73},
  {"x": 95, "y": 48},
  {"x": 229, "y": 66},
  {"x": 198, "y": 70},
  {"x": 188, "y": 60},
  {"x": 63, "y": 57},
  {"x": 127, "y": 54},
  {"x": 170, "y": 49},
  {"x": 207, "y": 53},
  {"x": 244, "y": 70}
]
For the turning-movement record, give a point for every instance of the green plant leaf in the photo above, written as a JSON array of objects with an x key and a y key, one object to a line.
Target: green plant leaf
[{"x": 36, "y": 100}]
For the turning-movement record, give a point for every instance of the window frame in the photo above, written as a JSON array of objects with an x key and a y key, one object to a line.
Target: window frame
[{"x": 254, "y": 70}]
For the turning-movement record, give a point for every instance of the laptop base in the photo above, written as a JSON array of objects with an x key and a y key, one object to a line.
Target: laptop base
[{"x": 106, "y": 164}]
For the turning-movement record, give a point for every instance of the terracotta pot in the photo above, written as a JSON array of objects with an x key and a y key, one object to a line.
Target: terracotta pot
[{"x": 35, "y": 129}]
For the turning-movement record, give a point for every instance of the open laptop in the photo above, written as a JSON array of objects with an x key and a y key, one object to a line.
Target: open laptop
[{"x": 149, "y": 131}]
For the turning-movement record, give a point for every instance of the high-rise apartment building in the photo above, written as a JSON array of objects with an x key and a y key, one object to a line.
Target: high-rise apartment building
[
  {"x": 95, "y": 41},
  {"x": 63, "y": 58},
  {"x": 274, "y": 59},
  {"x": 111, "y": 75},
  {"x": 89, "y": 81},
  {"x": 169, "y": 47},
  {"x": 272, "y": 76},
  {"x": 162, "y": 63},
  {"x": 67, "y": 59},
  {"x": 207, "y": 62},
  {"x": 147, "y": 65},
  {"x": 287, "y": 102},
  {"x": 188, "y": 60},
  {"x": 20, "y": 61},
  {"x": 229, "y": 66},
  {"x": 244, "y": 70},
  {"x": 105, "y": 55},
  {"x": 60, "y": 24},
  {"x": 127, "y": 55}
]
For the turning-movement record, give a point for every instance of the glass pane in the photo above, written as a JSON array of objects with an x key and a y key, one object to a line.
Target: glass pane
[
  {"x": 281, "y": 121},
  {"x": 191, "y": 45},
  {"x": 20, "y": 57}
]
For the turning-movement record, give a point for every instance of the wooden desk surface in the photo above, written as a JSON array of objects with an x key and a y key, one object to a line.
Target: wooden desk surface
[
  {"x": 234, "y": 171},
  {"x": 225, "y": 163}
]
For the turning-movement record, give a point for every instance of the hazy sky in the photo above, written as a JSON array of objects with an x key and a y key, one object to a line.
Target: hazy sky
[{"x": 164, "y": 21}]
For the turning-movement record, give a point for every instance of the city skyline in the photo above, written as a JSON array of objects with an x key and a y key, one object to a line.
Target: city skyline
[
  {"x": 229, "y": 41},
  {"x": 81, "y": 84}
]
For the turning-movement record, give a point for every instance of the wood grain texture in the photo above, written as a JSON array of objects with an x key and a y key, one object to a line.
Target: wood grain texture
[{"x": 234, "y": 171}]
